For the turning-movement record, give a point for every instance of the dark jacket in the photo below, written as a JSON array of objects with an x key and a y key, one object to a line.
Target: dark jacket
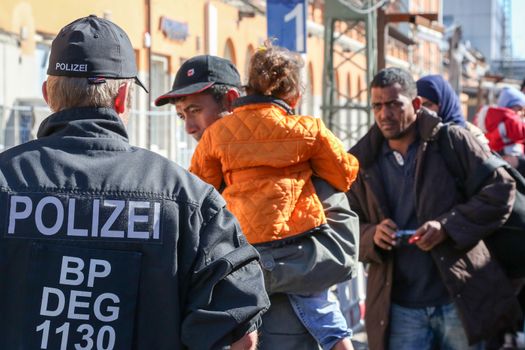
[
  {"x": 111, "y": 242},
  {"x": 475, "y": 282}
]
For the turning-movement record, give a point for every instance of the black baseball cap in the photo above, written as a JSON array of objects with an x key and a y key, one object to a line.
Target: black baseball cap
[
  {"x": 198, "y": 74},
  {"x": 93, "y": 47}
]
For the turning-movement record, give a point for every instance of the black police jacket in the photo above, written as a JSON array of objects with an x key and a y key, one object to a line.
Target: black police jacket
[{"x": 108, "y": 246}]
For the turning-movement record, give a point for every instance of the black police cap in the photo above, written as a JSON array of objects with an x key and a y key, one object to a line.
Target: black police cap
[{"x": 93, "y": 47}]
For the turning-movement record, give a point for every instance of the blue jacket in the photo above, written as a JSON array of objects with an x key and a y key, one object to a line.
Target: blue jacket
[{"x": 108, "y": 243}]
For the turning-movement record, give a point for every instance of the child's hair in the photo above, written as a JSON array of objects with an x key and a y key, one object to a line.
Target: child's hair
[{"x": 275, "y": 71}]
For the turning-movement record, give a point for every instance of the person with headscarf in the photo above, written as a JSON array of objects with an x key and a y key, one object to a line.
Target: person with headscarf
[
  {"x": 512, "y": 98},
  {"x": 438, "y": 96},
  {"x": 504, "y": 126}
]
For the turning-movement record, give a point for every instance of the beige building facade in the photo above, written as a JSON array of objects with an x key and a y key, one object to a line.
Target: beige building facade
[{"x": 164, "y": 33}]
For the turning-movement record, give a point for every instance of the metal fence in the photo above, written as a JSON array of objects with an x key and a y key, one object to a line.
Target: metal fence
[
  {"x": 167, "y": 137},
  {"x": 161, "y": 132},
  {"x": 351, "y": 296},
  {"x": 350, "y": 124}
]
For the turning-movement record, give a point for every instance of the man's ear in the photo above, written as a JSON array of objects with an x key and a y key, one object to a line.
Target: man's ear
[
  {"x": 44, "y": 91},
  {"x": 121, "y": 101},
  {"x": 416, "y": 103},
  {"x": 230, "y": 96}
]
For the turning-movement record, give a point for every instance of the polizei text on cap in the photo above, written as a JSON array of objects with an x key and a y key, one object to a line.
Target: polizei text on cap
[{"x": 71, "y": 67}]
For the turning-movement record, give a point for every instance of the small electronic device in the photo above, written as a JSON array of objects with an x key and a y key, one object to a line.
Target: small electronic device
[{"x": 404, "y": 237}]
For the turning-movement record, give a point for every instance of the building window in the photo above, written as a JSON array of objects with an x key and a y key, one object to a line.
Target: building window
[
  {"x": 310, "y": 90},
  {"x": 360, "y": 91},
  {"x": 249, "y": 53},
  {"x": 229, "y": 51},
  {"x": 159, "y": 120}
]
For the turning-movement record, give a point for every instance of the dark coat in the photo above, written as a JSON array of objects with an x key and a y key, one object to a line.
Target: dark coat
[
  {"x": 475, "y": 282},
  {"x": 175, "y": 263}
]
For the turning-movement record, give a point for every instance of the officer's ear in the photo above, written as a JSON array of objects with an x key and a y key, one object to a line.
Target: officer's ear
[
  {"x": 44, "y": 91},
  {"x": 121, "y": 101}
]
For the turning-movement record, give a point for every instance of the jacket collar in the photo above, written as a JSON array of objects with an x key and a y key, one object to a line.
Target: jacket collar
[
  {"x": 368, "y": 148},
  {"x": 256, "y": 99},
  {"x": 84, "y": 122}
]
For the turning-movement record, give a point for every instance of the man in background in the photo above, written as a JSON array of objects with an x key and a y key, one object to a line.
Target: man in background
[
  {"x": 432, "y": 283},
  {"x": 205, "y": 90}
]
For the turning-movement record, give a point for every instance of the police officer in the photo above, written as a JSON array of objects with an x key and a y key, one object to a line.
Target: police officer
[{"x": 108, "y": 246}]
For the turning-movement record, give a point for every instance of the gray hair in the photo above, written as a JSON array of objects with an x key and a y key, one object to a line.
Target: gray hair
[{"x": 70, "y": 92}]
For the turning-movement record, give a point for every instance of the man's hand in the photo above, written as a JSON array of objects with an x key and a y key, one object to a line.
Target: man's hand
[
  {"x": 247, "y": 342},
  {"x": 385, "y": 235},
  {"x": 430, "y": 234}
]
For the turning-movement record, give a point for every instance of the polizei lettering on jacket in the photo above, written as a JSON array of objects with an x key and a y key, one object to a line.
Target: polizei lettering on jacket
[
  {"x": 60, "y": 217},
  {"x": 71, "y": 67}
]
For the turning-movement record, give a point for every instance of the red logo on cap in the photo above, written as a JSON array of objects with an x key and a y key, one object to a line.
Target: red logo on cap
[{"x": 190, "y": 72}]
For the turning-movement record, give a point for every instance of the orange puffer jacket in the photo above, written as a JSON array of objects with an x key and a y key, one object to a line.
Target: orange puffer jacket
[{"x": 265, "y": 156}]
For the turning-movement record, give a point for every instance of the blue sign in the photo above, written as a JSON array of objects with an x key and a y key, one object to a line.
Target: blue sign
[
  {"x": 174, "y": 30},
  {"x": 287, "y": 23}
]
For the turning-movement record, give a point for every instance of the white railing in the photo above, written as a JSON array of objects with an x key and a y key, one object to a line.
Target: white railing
[
  {"x": 167, "y": 137},
  {"x": 351, "y": 297}
]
